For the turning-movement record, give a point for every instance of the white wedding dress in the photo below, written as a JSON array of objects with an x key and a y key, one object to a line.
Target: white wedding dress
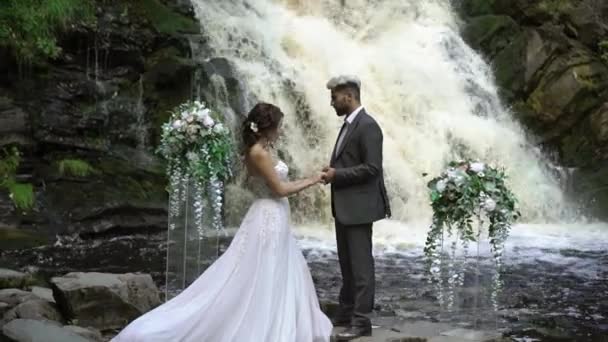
[{"x": 259, "y": 290}]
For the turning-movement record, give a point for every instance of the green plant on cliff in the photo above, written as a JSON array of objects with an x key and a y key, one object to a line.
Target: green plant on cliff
[
  {"x": 29, "y": 28},
  {"x": 556, "y": 8},
  {"x": 22, "y": 194},
  {"x": 75, "y": 167},
  {"x": 603, "y": 46}
]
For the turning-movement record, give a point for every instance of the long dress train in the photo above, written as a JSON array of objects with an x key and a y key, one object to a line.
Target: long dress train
[{"x": 259, "y": 290}]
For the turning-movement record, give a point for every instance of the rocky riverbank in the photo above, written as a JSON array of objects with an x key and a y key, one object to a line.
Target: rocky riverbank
[{"x": 541, "y": 299}]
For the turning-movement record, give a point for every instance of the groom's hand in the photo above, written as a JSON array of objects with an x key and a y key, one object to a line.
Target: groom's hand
[{"x": 328, "y": 174}]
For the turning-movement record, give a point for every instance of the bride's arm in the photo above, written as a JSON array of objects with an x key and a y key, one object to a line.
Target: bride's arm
[{"x": 263, "y": 164}]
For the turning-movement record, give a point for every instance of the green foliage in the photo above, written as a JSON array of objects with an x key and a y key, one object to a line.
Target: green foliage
[
  {"x": 75, "y": 167},
  {"x": 467, "y": 191},
  {"x": 22, "y": 194},
  {"x": 603, "y": 45},
  {"x": 29, "y": 28}
]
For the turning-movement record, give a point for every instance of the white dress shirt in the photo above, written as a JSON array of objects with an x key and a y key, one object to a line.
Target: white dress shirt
[{"x": 349, "y": 120}]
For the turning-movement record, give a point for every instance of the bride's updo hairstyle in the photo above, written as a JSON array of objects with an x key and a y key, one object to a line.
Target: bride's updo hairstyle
[{"x": 262, "y": 119}]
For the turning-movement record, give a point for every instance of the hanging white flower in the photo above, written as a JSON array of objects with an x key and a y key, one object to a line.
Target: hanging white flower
[
  {"x": 477, "y": 167},
  {"x": 254, "y": 127},
  {"x": 489, "y": 204}
]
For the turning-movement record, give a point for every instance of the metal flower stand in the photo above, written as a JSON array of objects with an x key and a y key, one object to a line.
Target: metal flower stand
[{"x": 193, "y": 226}]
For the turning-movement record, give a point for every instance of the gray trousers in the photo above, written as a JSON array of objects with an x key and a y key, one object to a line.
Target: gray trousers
[{"x": 358, "y": 274}]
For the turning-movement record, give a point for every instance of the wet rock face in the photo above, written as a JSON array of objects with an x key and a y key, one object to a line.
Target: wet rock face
[
  {"x": 101, "y": 102},
  {"x": 551, "y": 64}
]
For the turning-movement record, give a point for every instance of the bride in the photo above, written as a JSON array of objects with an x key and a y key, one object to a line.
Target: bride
[{"x": 260, "y": 289}]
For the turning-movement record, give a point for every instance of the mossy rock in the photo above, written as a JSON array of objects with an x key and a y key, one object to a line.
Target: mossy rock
[
  {"x": 491, "y": 33},
  {"x": 10, "y": 279},
  {"x": 164, "y": 19},
  {"x": 13, "y": 238},
  {"x": 591, "y": 186},
  {"x": 510, "y": 68},
  {"x": 474, "y": 8},
  {"x": 570, "y": 86},
  {"x": 168, "y": 83}
]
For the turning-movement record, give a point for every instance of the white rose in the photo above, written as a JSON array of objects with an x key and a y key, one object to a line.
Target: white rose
[
  {"x": 489, "y": 204},
  {"x": 219, "y": 128},
  {"x": 440, "y": 186},
  {"x": 201, "y": 114},
  {"x": 459, "y": 180},
  {"x": 477, "y": 167},
  {"x": 177, "y": 124},
  {"x": 190, "y": 119},
  {"x": 208, "y": 122},
  {"x": 452, "y": 173}
]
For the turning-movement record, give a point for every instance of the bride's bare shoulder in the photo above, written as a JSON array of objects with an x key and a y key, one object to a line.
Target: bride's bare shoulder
[
  {"x": 257, "y": 153},
  {"x": 255, "y": 157}
]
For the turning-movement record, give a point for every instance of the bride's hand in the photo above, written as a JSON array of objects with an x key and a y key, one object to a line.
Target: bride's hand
[{"x": 317, "y": 178}]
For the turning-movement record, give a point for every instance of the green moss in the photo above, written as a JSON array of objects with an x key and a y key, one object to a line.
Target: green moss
[
  {"x": 22, "y": 194},
  {"x": 75, "y": 167},
  {"x": 19, "y": 238},
  {"x": 163, "y": 18},
  {"x": 29, "y": 27}
]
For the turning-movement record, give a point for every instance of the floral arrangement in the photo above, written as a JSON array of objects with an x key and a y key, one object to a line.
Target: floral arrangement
[
  {"x": 198, "y": 149},
  {"x": 194, "y": 139},
  {"x": 467, "y": 192}
]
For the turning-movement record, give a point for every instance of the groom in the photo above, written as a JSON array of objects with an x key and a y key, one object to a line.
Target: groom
[{"x": 358, "y": 198}]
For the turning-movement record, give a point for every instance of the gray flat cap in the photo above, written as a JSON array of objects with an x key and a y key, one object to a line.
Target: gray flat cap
[{"x": 343, "y": 80}]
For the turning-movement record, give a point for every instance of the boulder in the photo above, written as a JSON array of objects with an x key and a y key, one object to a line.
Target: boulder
[
  {"x": 28, "y": 330},
  {"x": 103, "y": 300}
]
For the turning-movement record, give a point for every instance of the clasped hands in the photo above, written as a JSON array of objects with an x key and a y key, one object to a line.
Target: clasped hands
[{"x": 326, "y": 175}]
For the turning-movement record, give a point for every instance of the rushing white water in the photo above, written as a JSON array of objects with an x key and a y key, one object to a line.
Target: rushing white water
[{"x": 434, "y": 97}]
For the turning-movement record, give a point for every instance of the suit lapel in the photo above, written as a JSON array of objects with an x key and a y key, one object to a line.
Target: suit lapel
[{"x": 351, "y": 128}]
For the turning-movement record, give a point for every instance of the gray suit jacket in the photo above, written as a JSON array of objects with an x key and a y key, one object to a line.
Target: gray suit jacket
[{"x": 358, "y": 193}]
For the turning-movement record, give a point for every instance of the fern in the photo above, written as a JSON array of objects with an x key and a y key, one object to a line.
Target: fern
[
  {"x": 29, "y": 27},
  {"x": 75, "y": 167}
]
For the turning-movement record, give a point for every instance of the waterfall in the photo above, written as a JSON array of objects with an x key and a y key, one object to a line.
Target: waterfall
[{"x": 434, "y": 97}]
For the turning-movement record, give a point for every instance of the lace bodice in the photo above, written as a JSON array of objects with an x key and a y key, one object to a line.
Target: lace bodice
[{"x": 258, "y": 186}]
